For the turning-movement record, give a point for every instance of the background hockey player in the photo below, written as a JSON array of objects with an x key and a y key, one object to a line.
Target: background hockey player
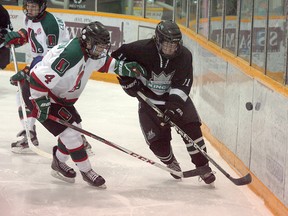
[
  {"x": 42, "y": 31},
  {"x": 5, "y": 27},
  {"x": 167, "y": 82},
  {"x": 56, "y": 83}
]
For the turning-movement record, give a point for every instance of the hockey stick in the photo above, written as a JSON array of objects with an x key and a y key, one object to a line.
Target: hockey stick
[
  {"x": 186, "y": 174},
  {"x": 237, "y": 181},
  {"x": 30, "y": 144}
]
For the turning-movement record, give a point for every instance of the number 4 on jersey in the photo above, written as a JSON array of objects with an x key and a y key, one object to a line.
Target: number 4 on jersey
[{"x": 48, "y": 78}]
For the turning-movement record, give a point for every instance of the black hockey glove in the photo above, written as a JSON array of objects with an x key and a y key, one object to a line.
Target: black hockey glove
[
  {"x": 3, "y": 32},
  {"x": 130, "y": 85},
  {"x": 173, "y": 112}
]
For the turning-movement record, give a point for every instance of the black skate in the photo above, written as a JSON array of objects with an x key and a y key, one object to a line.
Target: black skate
[
  {"x": 94, "y": 179},
  {"x": 175, "y": 166},
  {"x": 21, "y": 146},
  {"x": 61, "y": 170},
  {"x": 208, "y": 177},
  {"x": 87, "y": 146}
]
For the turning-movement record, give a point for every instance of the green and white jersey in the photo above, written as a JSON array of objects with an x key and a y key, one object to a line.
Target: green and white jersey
[
  {"x": 64, "y": 72},
  {"x": 45, "y": 33}
]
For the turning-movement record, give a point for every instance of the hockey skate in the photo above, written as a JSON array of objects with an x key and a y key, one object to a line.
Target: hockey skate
[
  {"x": 61, "y": 170},
  {"x": 208, "y": 177},
  {"x": 87, "y": 146},
  {"x": 94, "y": 179},
  {"x": 175, "y": 166},
  {"x": 21, "y": 146}
]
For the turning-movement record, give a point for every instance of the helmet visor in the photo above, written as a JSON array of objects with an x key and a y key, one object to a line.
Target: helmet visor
[
  {"x": 169, "y": 48},
  {"x": 97, "y": 51}
]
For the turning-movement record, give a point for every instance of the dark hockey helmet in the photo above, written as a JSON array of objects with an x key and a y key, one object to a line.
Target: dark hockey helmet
[
  {"x": 33, "y": 13},
  {"x": 95, "y": 39},
  {"x": 168, "y": 39}
]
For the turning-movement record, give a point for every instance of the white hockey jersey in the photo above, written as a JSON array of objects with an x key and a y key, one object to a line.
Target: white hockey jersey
[
  {"x": 64, "y": 72},
  {"x": 45, "y": 33}
]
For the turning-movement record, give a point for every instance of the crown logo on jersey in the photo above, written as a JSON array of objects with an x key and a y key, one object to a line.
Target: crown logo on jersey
[
  {"x": 162, "y": 76},
  {"x": 150, "y": 135}
]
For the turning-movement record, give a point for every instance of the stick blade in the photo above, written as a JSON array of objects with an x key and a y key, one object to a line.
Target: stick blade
[{"x": 247, "y": 179}]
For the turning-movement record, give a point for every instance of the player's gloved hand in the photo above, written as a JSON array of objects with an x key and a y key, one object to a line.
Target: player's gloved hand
[
  {"x": 173, "y": 112},
  {"x": 130, "y": 85},
  {"x": 130, "y": 69},
  {"x": 20, "y": 76},
  {"x": 3, "y": 32},
  {"x": 41, "y": 108},
  {"x": 17, "y": 38}
]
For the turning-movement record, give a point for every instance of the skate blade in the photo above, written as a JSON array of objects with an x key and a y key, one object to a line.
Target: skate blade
[
  {"x": 90, "y": 153},
  {"x": 101, "y": 187},
  {"x": 212, "y": 185},
  {"x": 20, "y": 150},
  {"x": 58, "y": 175}
]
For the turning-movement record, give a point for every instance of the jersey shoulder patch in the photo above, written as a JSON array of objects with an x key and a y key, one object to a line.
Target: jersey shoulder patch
[
  {"x": 69, "y": 57},
  {"x": 51, "y": 27},
  {"x": 62, "y": 65}
]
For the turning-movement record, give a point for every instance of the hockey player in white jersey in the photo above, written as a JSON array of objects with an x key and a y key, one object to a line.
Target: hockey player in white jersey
[
  {"x": 42, "y": 31},
  {"x": 56, "y": 84}
]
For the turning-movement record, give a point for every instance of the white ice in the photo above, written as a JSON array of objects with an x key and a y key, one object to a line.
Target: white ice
[{"x": 134, "y": 188}]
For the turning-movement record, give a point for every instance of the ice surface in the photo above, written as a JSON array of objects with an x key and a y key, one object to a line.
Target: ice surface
[{"x": 134, "y": 188}]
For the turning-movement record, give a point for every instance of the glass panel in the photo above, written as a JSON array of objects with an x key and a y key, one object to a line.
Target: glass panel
[
  {"x": 159, "y": 9},
  {"x": 277, "y": 41},
  {"x": 203, "y": 17},
  {"x": 245, "y": 29},
  {"x": 75, "y": 5},
  {"x": 110, "y": 6},
  {"x": 259, "y": 34},
  {"x": 181, "y": 10},
  {"x": 193, "y": 14},
  {"x": 286, "y": 40},
  {"x": 230, "y": 29},
  {"x": 9, "y": 2},
  {"x": 216, "y": 22}
]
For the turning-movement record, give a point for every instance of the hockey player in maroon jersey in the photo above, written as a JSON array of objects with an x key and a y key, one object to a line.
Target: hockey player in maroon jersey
[
  {"x": 5, "y": 27},
  {"x": 167, "y": 83}
]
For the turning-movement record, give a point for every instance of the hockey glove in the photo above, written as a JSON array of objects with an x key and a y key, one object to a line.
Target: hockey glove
[
  {"x": 41, "y": 108},
  {"x": 17, "y": 38},
  {"x": 130, "y": 85},
  {"x": 130, "y": 69},
  {"x": 173, "y": 112},
  {"x": 3, "y": 32},
  {"x": 20, "y": 76}
]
